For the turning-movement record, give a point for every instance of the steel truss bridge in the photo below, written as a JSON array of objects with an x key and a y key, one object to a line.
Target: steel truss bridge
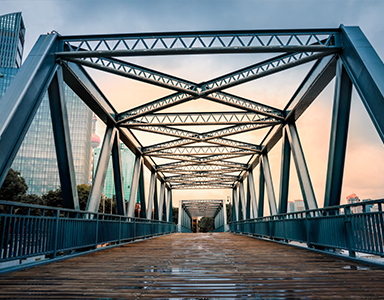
[{"x": 211, "y": 159}]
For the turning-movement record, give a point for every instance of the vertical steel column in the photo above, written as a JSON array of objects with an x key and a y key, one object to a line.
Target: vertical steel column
[
  {"x": 339, "y": 135},
  {"x": 242, "y": 200},
  {"x": 168, "y": 206},
  {"x": 284, "y": 174},
  {"x": 301, "y": 168},
  {"x": 171, "y": 207},
  {"x": 134, "y": 187},
  {"x": 252, "y": 194},
  {"x": 225, "y": 216},
  {"x": 180, "y": 216},
  {"x": 143, "y": 212},
  {"x": 248, "y": 210},
  {"x": 101, "y": 170},
  {"x": 118, "y": 176},
  {"x": 151, "y": 195},
  {"x": 235, "y": 205},
  {"x": 155, "y": 203},
  {"x": 161, "y": 201},
  {"x": 260, "y": 207},
  {"x": 62, "y": 139},
  {"x": 269, "y": 184}
]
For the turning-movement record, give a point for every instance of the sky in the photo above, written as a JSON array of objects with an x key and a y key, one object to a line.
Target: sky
[{"x": 365, "y": 153}]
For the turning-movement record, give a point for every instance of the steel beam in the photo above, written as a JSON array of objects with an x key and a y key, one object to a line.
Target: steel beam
[
  {"x": 101, "y": 170},
  {"x": 200, "y": 42},
  {"x": 134, "y": 186},
  {"x": 316, "y": 80},
  {"x": 151, "y": 195},
  {"x": 243, "y": 200},
  {"x": 365, "y": 69},
  {"x": 136, "y": 72},
  {"x": 301, "y": 168},
  {"x": 339, "y": 135},
  {"x": 269, "y": 185},
  {"x": 143, "y": 211},
  {"x": 199, "y": 118},
  {"x": 252, "y": 194},
  {"x": 284, "y": 174},
  {"x": 161, "y": 201},
  {"x": 118, "y": 176},
  {"x": 82, "y": 84},
  {"x": 23, "y": 97},
  {"x": 235, "y": 207},
  {"x": 260, "y": 206},
  {"x": 62, "y": 139},
  {"x": 155, "y": 203}
]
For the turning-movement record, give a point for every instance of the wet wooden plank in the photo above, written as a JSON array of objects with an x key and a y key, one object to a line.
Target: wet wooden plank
[{"x": 219, "y": 265}]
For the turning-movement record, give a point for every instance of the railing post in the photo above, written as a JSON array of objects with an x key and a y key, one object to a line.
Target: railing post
[
  {"x": 119, "y": 230},
  {"x": 97, "y": 230},
  {"x": 348, "y": 231},
  {"x": 308, "y": 227},
  {"x": 55, "y": 241}
]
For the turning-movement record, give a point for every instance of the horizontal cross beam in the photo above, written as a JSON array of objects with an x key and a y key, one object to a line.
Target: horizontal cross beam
[{"x": 204, "y": 42}]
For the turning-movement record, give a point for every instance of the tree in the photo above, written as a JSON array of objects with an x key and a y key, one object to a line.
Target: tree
[
  {"x": 83, "y": 192},
  {"x": 53, "y": 198},
  {"x": 175, "y": 215},
  {"x": 14, "y": 186},
  {"x": 206, "y": 224}
]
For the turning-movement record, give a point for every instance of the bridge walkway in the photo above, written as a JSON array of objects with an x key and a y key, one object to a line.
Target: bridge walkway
[{"x": 197, "y": 266}]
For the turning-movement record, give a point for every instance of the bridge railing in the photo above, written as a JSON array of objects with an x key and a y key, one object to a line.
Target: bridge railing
[
  {"x": 31, "y": 230},
  {"x": 355, "y": 227}
]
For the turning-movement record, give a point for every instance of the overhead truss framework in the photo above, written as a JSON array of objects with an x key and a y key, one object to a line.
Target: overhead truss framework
[{"x": 211, "y": 158}]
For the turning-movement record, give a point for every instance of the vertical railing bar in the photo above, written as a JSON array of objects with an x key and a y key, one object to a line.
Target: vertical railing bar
[
  {"x": 11, "y": 237},
  {"x": 3, "y": 248},
  {"x": 56, "y": 233},
  {"x": 22, "y": 250}
]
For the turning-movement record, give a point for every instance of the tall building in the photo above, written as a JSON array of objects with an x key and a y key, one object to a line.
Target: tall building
[
  {"x": 36, "y": 159},
  {"x": 12, "y": 33},
  {"x": 127, "y": 163}
]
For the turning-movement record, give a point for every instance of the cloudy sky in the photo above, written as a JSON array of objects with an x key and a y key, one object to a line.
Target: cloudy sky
[{"x": 365, "y": 153}]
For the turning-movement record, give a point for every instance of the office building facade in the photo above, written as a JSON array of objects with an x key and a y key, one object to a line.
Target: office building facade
[
  {"x": 127, "y": 163},
  {"x": 36, "y": 159}
]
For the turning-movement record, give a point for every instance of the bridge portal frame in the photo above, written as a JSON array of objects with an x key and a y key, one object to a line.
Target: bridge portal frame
[{"x": 343, "y": 52}]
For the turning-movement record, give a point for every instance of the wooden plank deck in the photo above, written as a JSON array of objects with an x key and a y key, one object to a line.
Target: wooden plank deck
[{"x": 197, "y": 266}]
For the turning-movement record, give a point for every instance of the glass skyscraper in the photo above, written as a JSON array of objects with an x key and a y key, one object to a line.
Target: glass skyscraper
[
  {"x": 36, "y": 159},
  {"x": 127, "y": 162}
]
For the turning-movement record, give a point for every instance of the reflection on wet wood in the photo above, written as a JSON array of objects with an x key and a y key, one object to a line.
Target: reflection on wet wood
[{"x": 196, "y": 266}]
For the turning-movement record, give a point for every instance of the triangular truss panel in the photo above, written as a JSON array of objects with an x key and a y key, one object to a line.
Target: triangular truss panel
[{"x": 196, "y": 146}]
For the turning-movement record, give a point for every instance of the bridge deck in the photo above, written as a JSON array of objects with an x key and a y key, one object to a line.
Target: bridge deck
[{"x": 196, "y": 266}]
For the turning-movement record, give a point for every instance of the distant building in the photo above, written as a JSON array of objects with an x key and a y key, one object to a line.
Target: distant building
[
  {"x": 291, "y": 206},
  {"x": 351, "y": 199},
  {"x": 12, "y": 34},
  {"x": 36, "y": 159}
]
